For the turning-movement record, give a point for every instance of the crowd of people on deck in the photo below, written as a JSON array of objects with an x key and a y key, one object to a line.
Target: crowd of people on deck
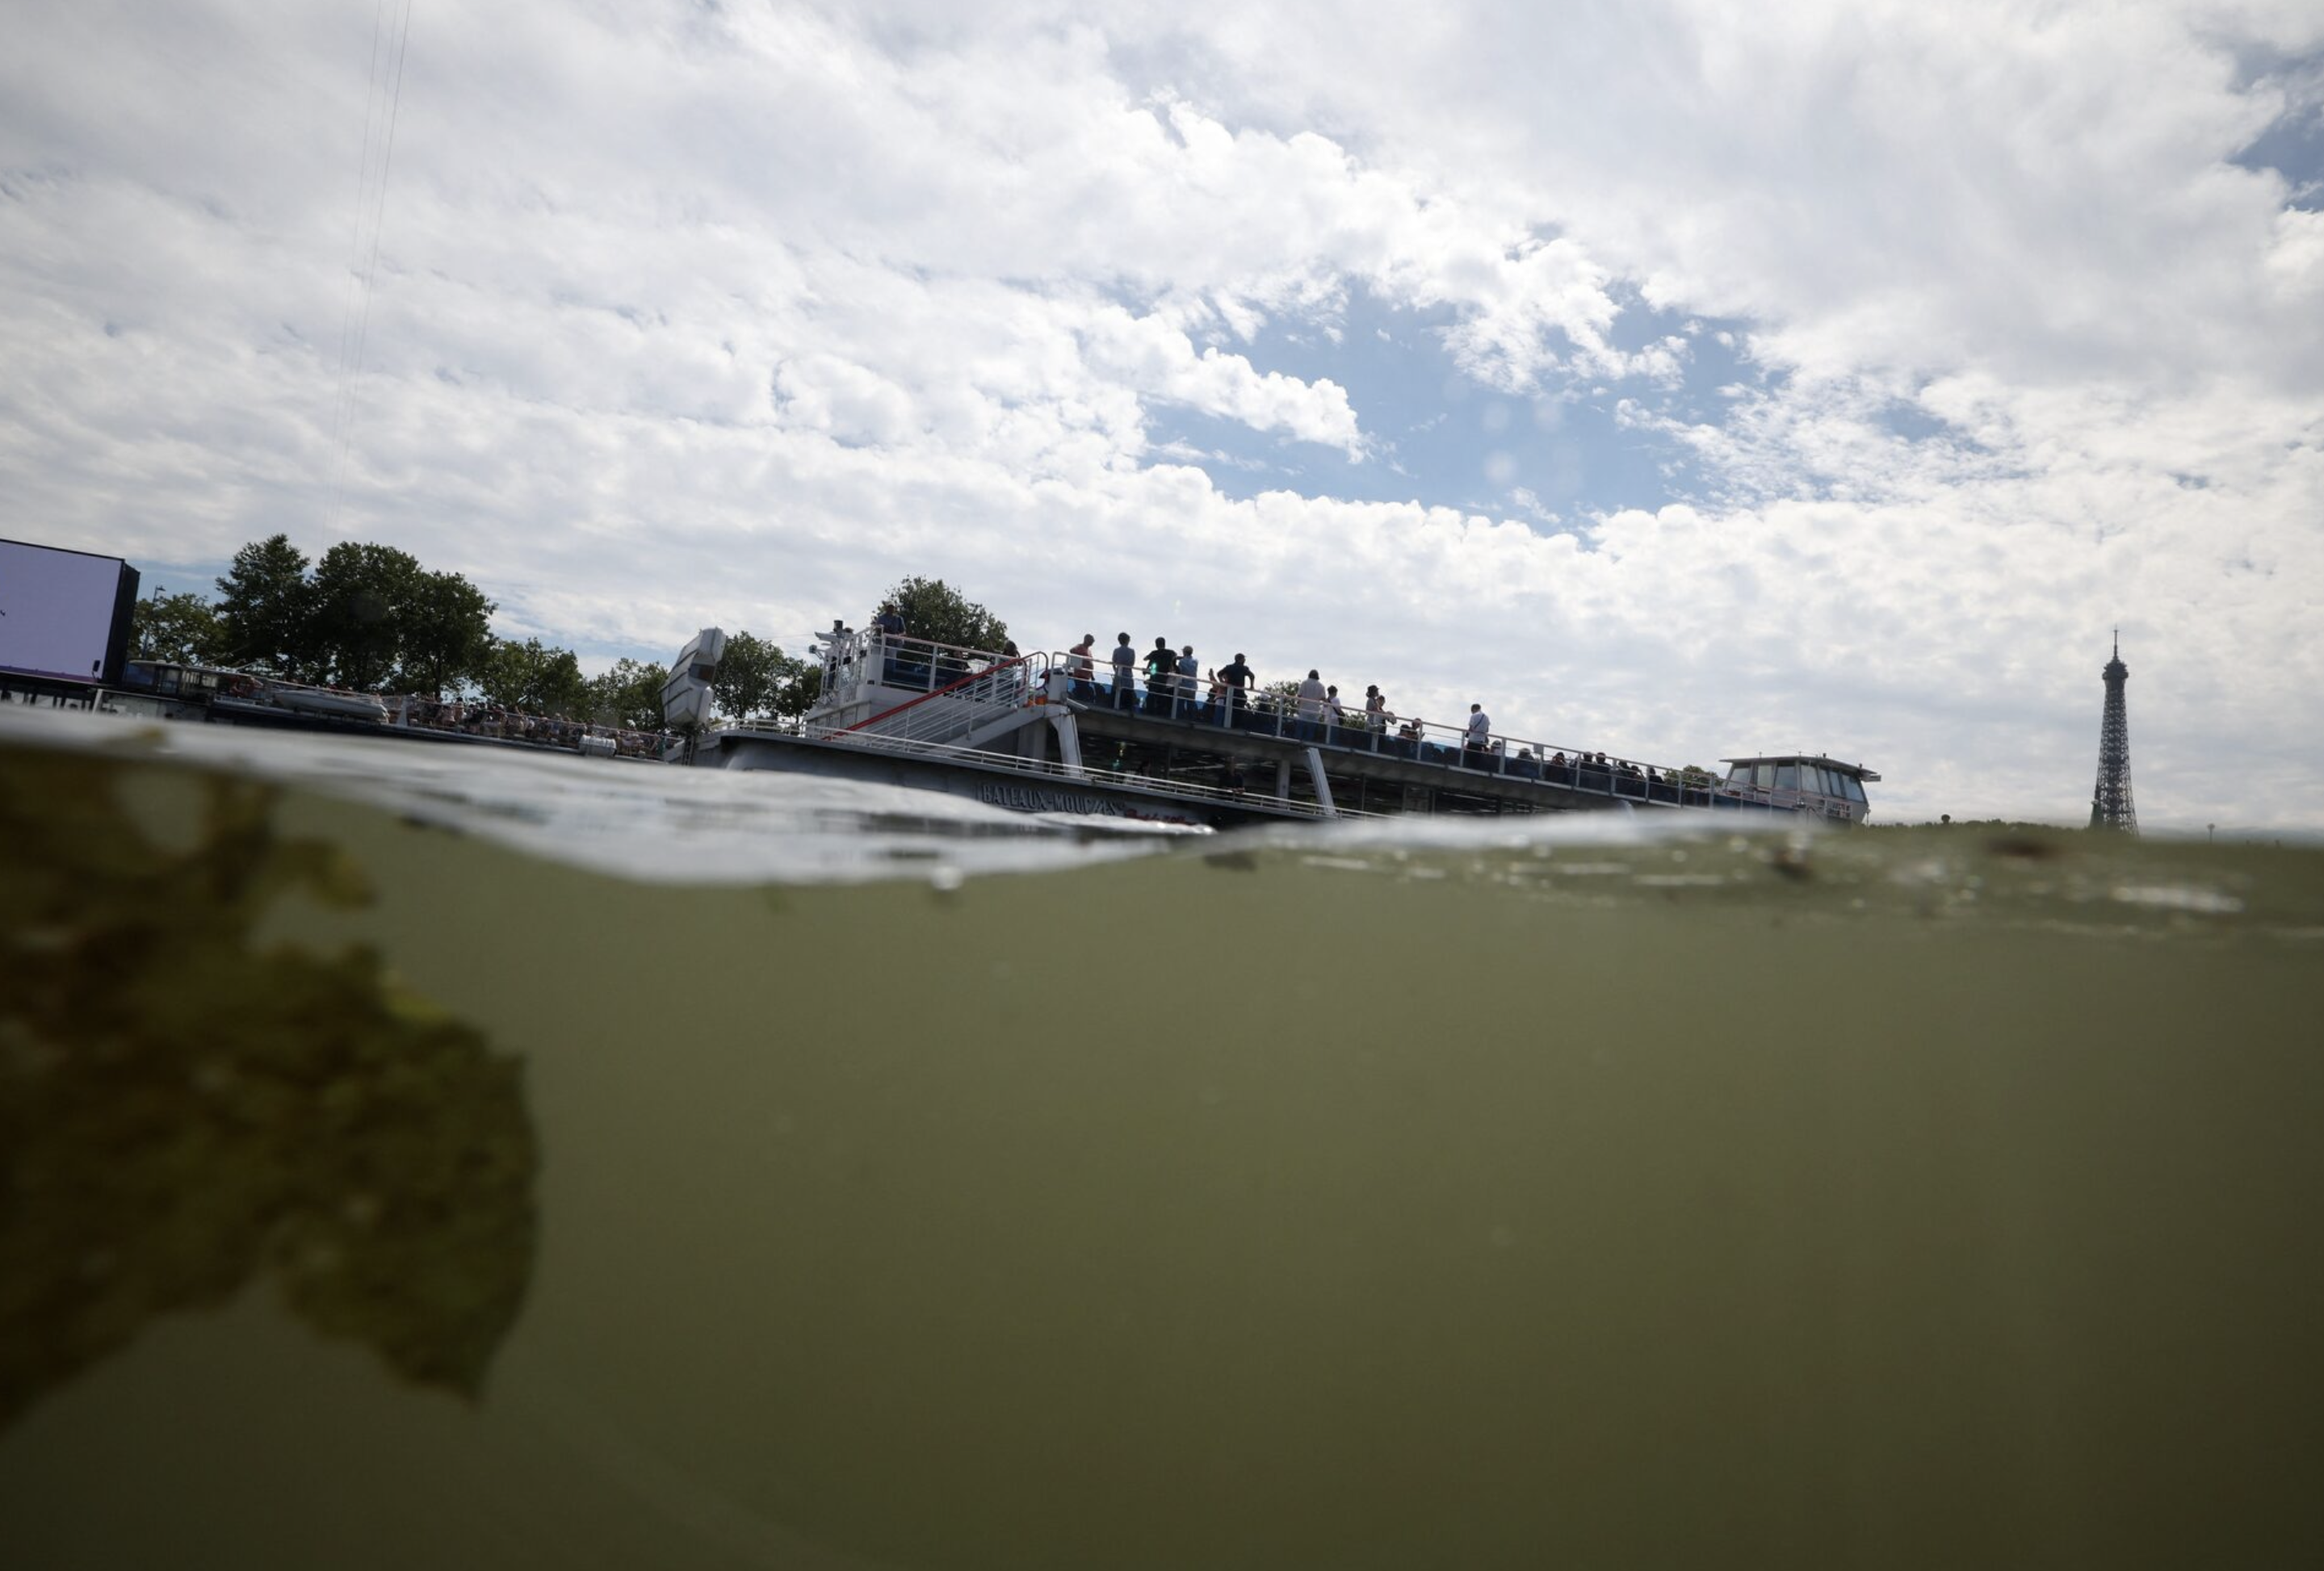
[
  {"x": 1177, "y": 686},
  {"x": 1172, "y": 683}
]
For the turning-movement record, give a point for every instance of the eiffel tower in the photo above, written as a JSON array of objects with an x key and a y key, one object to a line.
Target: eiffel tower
[{"x": 2110, "y": 806}]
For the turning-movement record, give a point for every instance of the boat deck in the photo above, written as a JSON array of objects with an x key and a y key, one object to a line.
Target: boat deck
[{"x": 1367, "y": 770}]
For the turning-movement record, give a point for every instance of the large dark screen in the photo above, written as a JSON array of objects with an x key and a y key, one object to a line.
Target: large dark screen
[{"x": 61, "y": 612}]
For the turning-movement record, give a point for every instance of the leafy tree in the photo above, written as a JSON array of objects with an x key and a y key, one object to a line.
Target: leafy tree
[
  {"x": 748, "y": 673},
  {"x": 933, "y": 610},
  {"x": 536, "y": 678},
  {"x": 182, "y": 628},
  {"x": 363, "y": 597},
  {"x": 800, "y": 685},
  {"x": 264, "y": 610},
  {"x": 629, "y": 694},
  {"x": 446, "y": 634},
  {"x": 755, "y": 679}
]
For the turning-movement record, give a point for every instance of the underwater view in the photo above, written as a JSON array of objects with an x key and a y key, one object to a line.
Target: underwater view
[{"x": 448, "y": 1156}]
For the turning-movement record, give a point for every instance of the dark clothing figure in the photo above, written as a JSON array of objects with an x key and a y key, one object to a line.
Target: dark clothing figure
[
  {"x": 1161, "y": 675},
  {"x": 1237, "y": 678},
  {"x": 890, "y": 624}
]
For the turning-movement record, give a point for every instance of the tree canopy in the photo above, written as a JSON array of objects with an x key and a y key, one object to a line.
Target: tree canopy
[
  {"x": 756, "y": 678},
  {"x": 264, "y": 610},
  {"x": 536, "y": 678},
  {"x": 182, "y": 628},
  {"x": 362, "y": 594},
  {"x": 936, "y": 610},
  {"x": 629, "y": 694},
  {"x": 446, "y": 634},
  {"x": 366, "y": 617}
]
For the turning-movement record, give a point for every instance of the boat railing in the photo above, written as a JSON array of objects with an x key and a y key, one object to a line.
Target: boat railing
[
  {"x": 993, "y": 685},
  {"x": 1411, "y": 738},
  {"x": 1066, "y": 774}
]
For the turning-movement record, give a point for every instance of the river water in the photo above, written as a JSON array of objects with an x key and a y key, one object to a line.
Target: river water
[{"x": 420, "y": 1155}]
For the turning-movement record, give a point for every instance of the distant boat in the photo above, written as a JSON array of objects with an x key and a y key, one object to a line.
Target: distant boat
[{"x": 333, "y": 702}]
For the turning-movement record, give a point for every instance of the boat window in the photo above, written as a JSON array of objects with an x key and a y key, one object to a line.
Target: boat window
[
  {"x": 1818, "y": 780},
  {"x": 1787, "y": 776},
  {"x": 1854, "y": 786},
  {"x": 1739, "y": 775},
  {"x": 1763, "y": 775}
]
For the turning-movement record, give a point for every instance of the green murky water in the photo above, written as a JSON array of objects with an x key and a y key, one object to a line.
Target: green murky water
[{"x": 380, "y": 1195}]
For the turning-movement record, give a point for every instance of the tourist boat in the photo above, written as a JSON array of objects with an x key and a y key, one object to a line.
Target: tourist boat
[
  {"x": 185, "y": 692},
  {"x": 1802, "y": 783},
  {"x": 1039, "y": 733}
]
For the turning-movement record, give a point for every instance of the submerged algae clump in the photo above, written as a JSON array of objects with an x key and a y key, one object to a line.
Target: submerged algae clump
[{"x": 182, "y": 1110}]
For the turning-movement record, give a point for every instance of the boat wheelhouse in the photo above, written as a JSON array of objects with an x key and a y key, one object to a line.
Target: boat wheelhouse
[
  {"x": 1041, "y": 733},
  {"x": 1802, "y": 783}
]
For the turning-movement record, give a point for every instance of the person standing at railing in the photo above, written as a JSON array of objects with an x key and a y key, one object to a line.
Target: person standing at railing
[
  {"x": 1189, "y": 668},
  {"x": 1161, "y": 676},
  {"x": 890, "y": 624},
  {"x": 1376, "y": 709},
  {"x": 1125, "y": 680},
  {"x": 1311, "y": 707},
  {"x": 1238, "y": 678},
  {"x": 1081, "y": 668},
  {"x": 1481, "y": 729}
]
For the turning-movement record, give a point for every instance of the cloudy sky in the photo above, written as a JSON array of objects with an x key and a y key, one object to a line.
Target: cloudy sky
[{"x": 1676, "y": 379}]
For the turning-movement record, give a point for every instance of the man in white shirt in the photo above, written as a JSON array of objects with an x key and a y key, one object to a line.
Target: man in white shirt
[{"x": 1311, "y": 697}]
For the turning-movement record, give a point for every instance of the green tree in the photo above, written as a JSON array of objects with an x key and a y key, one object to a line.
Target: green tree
[
  {"x": 797, "y": 688},
  {"x": 182, "y": 628},
  {"x": 536, "y": 678},
  {"x": 933, "y": 610},
  {"x": 748, "y": 674},
  {"x": 447, "y": 635},
  {"x": 629, "y": 694},
  {"x": 362, "y": 599},
  {"x": 264, "y": 610}
]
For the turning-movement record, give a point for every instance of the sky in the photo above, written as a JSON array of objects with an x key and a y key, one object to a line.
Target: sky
[{"x": 1676, "y": 380}]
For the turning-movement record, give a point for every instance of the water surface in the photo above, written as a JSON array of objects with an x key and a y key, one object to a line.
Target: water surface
[{"x": 421, "y": 1158}]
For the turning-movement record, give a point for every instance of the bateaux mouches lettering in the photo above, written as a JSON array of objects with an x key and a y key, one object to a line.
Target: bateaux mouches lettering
[{"x": 1039, "y": 799}]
